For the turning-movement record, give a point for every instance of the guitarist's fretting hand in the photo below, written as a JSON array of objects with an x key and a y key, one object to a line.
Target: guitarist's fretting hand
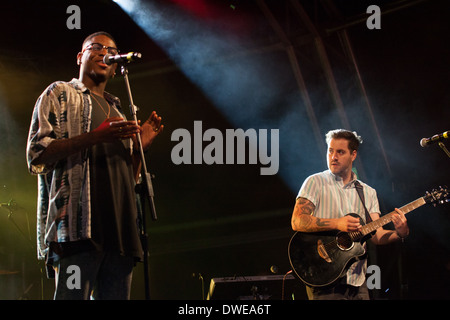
[{"x": 400, "y": 224}]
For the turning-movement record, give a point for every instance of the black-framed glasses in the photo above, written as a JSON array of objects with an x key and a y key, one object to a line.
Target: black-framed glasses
[{"x": 99, "y": 47}]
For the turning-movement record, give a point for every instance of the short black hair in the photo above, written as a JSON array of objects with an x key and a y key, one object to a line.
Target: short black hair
[
  {"x": 98, "y": 33},
  {"x": 352, "y": 137}
]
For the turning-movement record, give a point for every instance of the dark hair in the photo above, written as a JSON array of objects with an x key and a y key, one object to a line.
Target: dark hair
[
  {"x": 98, "y": 33},
  {"x": 352, "y": 137}
]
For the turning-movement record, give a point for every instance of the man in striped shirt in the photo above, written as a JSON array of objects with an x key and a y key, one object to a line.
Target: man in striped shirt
[{"x": 325, "y": 199}]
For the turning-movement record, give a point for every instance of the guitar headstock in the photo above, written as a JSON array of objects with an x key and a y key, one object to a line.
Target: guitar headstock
[{"x": 437, "y": 196}]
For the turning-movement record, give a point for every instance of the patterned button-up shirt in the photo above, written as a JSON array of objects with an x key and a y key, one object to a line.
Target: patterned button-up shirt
[{"x": 62, "y": 111}]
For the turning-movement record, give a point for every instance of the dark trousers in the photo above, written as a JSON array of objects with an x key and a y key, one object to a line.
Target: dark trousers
[
  {"x": 340, "y": 291},
  {"x": 103, "y": 276}
]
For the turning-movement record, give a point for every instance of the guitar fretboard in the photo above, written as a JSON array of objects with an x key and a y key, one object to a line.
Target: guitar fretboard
[{"x": 374, "y": 225}]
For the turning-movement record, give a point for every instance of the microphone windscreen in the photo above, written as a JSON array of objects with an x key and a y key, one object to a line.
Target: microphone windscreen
[
  {"x": 106, "y": 59},
  {"x": 423, "y": 142}
]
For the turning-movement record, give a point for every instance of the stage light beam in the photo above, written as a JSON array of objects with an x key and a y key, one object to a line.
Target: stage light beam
[{"x": 251, "y": 90}]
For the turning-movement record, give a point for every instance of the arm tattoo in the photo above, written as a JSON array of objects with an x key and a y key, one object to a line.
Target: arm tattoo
[
  {"x": 322, "y": 223},
  {"x": 303, "y": 219},
  {"x": 306, "y": 206},
  {"x": 302, "y": 214}
]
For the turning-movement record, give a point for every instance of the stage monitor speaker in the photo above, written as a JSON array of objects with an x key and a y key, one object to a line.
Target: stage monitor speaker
[{"x": 273, "y": 287}]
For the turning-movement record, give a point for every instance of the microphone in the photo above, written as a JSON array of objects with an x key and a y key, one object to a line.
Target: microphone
[
  {"x": 121, "y": 58},
  {"x": 436, "y": 138}
]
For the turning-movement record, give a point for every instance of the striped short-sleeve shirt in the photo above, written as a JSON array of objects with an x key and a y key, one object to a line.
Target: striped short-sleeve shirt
[{"x": 332, "y": 199}]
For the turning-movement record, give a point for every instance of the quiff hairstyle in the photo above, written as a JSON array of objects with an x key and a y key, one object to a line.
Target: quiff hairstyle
[{"x": 352, "y": 137}]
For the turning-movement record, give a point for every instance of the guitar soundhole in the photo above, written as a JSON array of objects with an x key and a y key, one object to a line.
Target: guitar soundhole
[{"x": 344, "y": 242}]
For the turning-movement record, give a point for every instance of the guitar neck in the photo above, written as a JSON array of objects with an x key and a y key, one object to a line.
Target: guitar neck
[{"x": 374, "y": 225}]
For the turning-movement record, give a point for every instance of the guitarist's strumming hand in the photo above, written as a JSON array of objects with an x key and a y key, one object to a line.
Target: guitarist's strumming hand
[{"x": 348, "y": 224}]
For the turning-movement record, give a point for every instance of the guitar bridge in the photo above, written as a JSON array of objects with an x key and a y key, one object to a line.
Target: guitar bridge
[{"x": 322, "y": 251}]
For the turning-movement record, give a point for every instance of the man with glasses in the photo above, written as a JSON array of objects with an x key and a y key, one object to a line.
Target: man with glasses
[{"x": 85, "y": 155}]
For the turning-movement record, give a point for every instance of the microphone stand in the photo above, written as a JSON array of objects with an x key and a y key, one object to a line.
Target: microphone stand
[
  {"x": 144, "y": 187},
  {"x": 11, "y": 206},
  {"x": 442, "y": 145}
]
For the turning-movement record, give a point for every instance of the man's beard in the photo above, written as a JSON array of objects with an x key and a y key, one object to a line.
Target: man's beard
[{"x": 99, "y": 78}]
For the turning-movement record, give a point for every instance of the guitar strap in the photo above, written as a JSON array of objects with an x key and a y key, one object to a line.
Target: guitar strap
[{"x": 359, "y": 189}]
